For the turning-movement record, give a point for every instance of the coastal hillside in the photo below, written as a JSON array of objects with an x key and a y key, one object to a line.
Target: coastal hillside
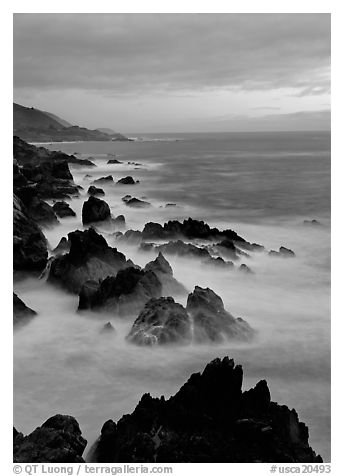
[{"x": 34, "y": 125}]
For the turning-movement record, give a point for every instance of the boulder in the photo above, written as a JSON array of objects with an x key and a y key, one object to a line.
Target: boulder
[
  {"x": 127, "y": 181},
  {"x": 211, "y": 322},
  {"x": 92, "y": 190},
  {"x": 94, "y": 210},
  {"x": 114, "y": 161},
  {"x": 89, "y": 258},
  {"x": 209, "y": 420},
  {"x": 22, "y": 314},
  {"x": 58, "y": 440},
  {"x": 123, "y": 294},
  {"x": 62, "y": 210},
  {"x": 162, "y": 321},
  {"x": 119, "y": 221},
  {"x": 137, "y": 203},
  {"x": 161, "y": 267},
  {"x": 243, "y": 268},
  {"x": 30, "y": 251},
  {"x": 107, "y": 179}
]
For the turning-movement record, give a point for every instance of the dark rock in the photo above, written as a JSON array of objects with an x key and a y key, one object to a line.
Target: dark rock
[
  {"x": 168, "y": 205},
  {"x": 62, "y": 209},
  {"x": 126, "y": 198},
  {"x": 162, "y": 321},
  {"x": 58, "y": 440},
  {"x": 127, "y": 180},
  {"x": 209, "y": 420},
  {"x": 107, "y": 179},
  {"x": 311, "y": 223},
  {"x": 108, "y": 328},
  {"x": 212, "y": 323},
  {"x": 62, "y": 247},
  {"x": 119, "y": 221},
  {"x": 94, "y": 210},
  {"x": 21, "y": 312},
  {"x": 228, "y": 249},
  {"x": 132, "y": 236},
  {"x": 30, "y": 251},
  {"x": 162, "y": 268},
  {"x": 123, "y": 294},
  {"x": 283, "y": 252},
  {"x": 180, "y": 248},
  {"x": 218, "y": 262},
  {"x": 92, "y": 190},
  {"x": 135, "y": 202},
  {"x": 89, "y": 258},
  {"x": 245, "y": 269},
  {"x": 114, "y": 161}
]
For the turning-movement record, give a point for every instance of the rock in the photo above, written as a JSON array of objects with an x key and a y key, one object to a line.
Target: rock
[
  {"x": 107, "y": 179},
  {"x": 161, "y": 267},
  {"x": 127, "y": 180},
  {"x": 168, "y": 205},
  {"x": 228, "y": 249},
  {"x": 218, "y": 262},
  {"x": 62, "y": 210},
  {"x": 108, "y": 328},
  {"x": 114, "y": 161},
  {"x": 133, "y": 237},
  {"x": 243, "y": 268},
  {"x": 21, "y": 312},
  {"x": 283, "y": 252},
  {"x": 89, "y": 258},
  {"x": 212, "y": 323},
  {"x": 162, "y": 321},
  {"x": 192, "y": 229},
  {"x": 58, "y": 440},
  {"x": 123, "y": 294},
  {"x": 30, "y": 251},
  {"x": 119, "y": 221},
  {"x": 94, "y": 210},
  {"x": 62, "y": 247},
  {"x": 135, "y": 202},
  {"x": 92, "y": 190},
  {"x": 180, "y": 248},
  {"x": 87, "y": 176},
  {"x": 311, "y": 223},
  {"x": 209, "y": 420},
  {"x": 36, "y": 208},
  {"x": 126, "y": 198}
]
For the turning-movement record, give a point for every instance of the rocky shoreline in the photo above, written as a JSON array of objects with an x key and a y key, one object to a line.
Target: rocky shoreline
[{"x": 210, "y": 419}]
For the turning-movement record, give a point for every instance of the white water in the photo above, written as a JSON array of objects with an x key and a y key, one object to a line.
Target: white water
[{"x": 63, "y": 364}]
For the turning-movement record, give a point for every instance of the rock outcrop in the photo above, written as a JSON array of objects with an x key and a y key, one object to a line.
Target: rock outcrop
[
  {"x": 123, "y": 294},
  {"x": 30, "y": 251},
  {"x": 127, "y": 181},
  {"x": 58, "y": 440},
  {"x": 92, "y": 190},
  {"x": 283, "y": 253},
  {"x": 209, "y": 420},
  {"x": 89, "y": 258},
  {"x": 135, "y": 202},
  {"x": 162, "y": 321},
  {"x": 211, "y": 322},
  {"x": 107, "y": 179},
  {"x": 94, "y": 210},
  {"x": 22, "y": 314},
  {"x": 62, "y": 210},
  {"x": 161, "y": 267}
]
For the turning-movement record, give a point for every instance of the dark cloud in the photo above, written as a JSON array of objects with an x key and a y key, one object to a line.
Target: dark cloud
[{"x": 136, "y": 53}]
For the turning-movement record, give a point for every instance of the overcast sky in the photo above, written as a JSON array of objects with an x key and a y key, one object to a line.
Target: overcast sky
[{"x": 176, "y": 72}]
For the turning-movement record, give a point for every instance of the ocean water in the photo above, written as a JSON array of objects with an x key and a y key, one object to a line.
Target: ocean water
[{"x": 262, "y": 185}]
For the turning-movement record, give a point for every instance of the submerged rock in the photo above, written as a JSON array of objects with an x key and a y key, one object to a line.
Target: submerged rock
[
  {"x": 209, "y": 420},
  {"x": 92, "y": 190},
  {"x": 135, "y": 202},
  {"x": 283, "y": 252},
  {"x": 62, "y": 210},
  {"x": 30, "y": 251},
  {"x": 312, "y": 222},
  {"x": 89, "y": 258},
  {"x": 114, "y": 161},
  {"x": 212, "y": 323},
  {"x": 162, "y": 321},
  {"x": 94, "y": 210},
  {"x": 108, "y": 328},
  {"x": 21, "y": 312},
  {"x": 58, "y": 440},
  {"x": 123, "y": 294},
  {"x": 107, "y": 179},
  {"x": 127, "y": 180}
]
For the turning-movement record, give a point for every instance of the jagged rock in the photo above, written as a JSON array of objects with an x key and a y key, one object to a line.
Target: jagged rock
[
  {"x": 212, "y": 323},
  {"x": 21, "y": 312},
  {"x": 209, "y": 420},
  {"x": 108, "y": 328},
  {"x": 133, "y": 237},
  {"x": 107, "y": 179},
  {"x": 123, "y": 294},
  {"x": 36, "y": 208},
  {"x": 89, "y": 258},
  {"x": 162, "y": 321},
  {"x": 114, "y": 161},
  {"x": 218, "y": 262},
  {"x": 62, "y": 210},
  {"x": 92, "y": 190},
  {"x": 94, "y": 210},
  {"x": 58, "y": 440},
  {"x": 30, "y": 251},
  {"x": 183, "y": 249},
  {"x": 135, "y": 202},
  {"x": 162, "y": 268},
  {"x": 127, "y": 180},
  {"x": 283, "y": 252},
  {"x": 228, "y": 249},
  {"x": 62, "y": 247}
]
